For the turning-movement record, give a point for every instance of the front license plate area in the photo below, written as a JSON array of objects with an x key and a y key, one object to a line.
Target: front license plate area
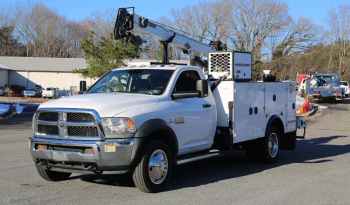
[{"x": 59, "y": 156}]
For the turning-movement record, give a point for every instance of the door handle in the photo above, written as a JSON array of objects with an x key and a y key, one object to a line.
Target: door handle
[{"x": 206, "y": 105}]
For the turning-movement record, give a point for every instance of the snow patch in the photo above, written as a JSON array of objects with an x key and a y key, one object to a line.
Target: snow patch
[
  {"x": 4, "y": 108},
  {"x": 19, "y": 109}
]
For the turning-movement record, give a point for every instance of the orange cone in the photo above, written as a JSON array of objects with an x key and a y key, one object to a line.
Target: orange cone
[{"x": 305, "y": 106}]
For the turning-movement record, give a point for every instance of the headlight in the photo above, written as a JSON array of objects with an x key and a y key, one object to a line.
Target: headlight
[{"x": 118, "y": 127}]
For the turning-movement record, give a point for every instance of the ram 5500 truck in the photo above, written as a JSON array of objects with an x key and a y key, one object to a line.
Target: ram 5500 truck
[{"x": 147, "y": 119}]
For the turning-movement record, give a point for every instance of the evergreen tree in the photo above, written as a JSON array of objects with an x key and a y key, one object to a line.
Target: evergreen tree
[{"x": 105, "y": 54}]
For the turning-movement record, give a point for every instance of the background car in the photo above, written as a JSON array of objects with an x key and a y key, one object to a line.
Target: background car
[
  {"x": 2, "y": 91},
  {"x": 346, "y": 86}
]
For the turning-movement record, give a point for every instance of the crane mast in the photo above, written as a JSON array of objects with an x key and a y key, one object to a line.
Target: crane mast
[{"x": 127, "y": 23}]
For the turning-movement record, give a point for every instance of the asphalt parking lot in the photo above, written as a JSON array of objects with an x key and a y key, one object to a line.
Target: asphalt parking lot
[{"x": 317, "y": 172}]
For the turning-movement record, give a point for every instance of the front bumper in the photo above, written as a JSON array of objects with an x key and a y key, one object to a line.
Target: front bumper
[
  {"x": 29, "y": 94},
  {"x": 69, "y": 156}
]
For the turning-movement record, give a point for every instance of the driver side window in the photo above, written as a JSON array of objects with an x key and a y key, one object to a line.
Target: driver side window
[{"x": 187, "y": 81}]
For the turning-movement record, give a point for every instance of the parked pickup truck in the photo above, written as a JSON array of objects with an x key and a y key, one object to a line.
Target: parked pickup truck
[
  {"x": 32, "y": 92},
  {"x": 51, "y": 93},
  {"x": 323, "y": 86}
]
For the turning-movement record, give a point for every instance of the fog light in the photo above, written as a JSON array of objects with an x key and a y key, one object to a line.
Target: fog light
[
  {"x": 42, "y": 147},
  {"x": 89, "y": 151}
]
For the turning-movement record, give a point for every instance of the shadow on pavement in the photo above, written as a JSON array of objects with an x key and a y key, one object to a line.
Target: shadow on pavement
[{"x": 233, "y": 165}]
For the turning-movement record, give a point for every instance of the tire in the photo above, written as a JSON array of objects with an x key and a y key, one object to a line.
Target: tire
[
  {"x": 154, "y": 167},
  {"x": 268, "y": 147},
  {"x": 52, "y": 175}
]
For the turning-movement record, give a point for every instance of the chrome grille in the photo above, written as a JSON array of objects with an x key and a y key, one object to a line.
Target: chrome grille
[
  {"x": 48, "y": 116},
  {"x": 80, "y": 117},
  {"x": 72, "y": 124},
  {"x": 82, "y": 131},
  {"x": 48, "y": 129}
]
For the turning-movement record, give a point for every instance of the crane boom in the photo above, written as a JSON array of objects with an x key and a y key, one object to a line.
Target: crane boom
[{"x": 128, "y": 22}]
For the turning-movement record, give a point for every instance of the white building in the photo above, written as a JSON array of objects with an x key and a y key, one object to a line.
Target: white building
[
  {"x": 4, "y": 75},
  {"x": 46, "y": 72}
]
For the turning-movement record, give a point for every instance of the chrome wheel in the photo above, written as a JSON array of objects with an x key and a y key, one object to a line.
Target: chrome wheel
[
  {"x": 158, "y": 166},
  {"x": 273, "y": 145}
]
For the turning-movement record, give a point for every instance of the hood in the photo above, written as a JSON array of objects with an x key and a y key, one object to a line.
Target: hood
[{"x": 106, "y": 104}]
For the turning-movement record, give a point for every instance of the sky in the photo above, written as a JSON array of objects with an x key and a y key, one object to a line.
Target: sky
[{"x": 77, "y": 10}]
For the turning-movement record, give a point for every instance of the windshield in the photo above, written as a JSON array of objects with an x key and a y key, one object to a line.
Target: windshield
[
  {"x": 344, "y": 83},
  {"x": 145, "y": 81},
  {"x": 327, "y": 79}
]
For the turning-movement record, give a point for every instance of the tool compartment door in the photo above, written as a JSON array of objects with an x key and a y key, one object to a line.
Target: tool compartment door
[
  {"x": 291, "y": 108},
  {"x": 243, "y": 112},
  {"x": 258, "y": 110}
]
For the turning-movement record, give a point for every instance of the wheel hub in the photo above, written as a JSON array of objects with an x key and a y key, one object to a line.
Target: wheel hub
[
  {"x": 158, "y": 166},
  {"x": 273, "y": 145}
]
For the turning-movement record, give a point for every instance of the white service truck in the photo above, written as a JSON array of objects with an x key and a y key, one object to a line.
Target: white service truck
[{"x": 146, "y": 119}]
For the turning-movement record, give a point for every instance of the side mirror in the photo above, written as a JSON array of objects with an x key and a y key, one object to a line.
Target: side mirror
[
  {"x": 202, "y": 86},
  {"x": 81, "y": 92},
  {"x": 202, "y": 89}
]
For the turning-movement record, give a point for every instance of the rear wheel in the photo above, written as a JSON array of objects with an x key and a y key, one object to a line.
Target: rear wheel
[
  {"x": 154, "y": 168},
  {"x": 52, "y": 175},
  {"x": 268, "y": 148}
]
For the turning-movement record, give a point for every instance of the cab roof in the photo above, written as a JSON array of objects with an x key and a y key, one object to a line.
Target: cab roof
[{"x": 155, "y": 66}]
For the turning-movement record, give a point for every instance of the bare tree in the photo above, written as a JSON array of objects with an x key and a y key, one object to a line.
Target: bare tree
[
  {"x": 252, "y": 21},
  {"x": 102, "y": 22},
  {"x": 339, "y": 24},
  {"x": 46, "y": 33},
  {"x": 6, "y": 17}
]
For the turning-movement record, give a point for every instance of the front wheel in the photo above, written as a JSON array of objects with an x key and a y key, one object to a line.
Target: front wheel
[
  {"x": 268, "y": 148},
  {"x": 52, "y": 175},
  {"x": 154, "y": 168}
]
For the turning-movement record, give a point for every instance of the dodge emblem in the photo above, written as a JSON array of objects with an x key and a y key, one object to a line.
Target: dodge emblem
[{"x": 60, "y": 124}]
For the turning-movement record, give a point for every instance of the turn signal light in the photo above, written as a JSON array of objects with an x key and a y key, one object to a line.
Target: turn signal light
[
  {"x": 89, "y": 151},
  {"x": 42, "y": 147}
]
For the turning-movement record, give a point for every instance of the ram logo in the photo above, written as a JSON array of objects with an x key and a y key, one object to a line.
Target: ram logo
[{"x": 179, "y": 120}]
